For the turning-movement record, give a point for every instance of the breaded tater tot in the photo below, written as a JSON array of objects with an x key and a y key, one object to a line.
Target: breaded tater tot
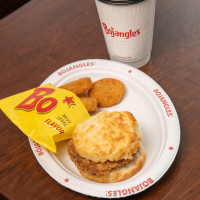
[
  {"x": 90, "y": 103},
  {"x": 78, "y": 86}
]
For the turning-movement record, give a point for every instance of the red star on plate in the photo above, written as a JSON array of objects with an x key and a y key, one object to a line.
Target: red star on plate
[
  {"x": 129, "y": 71},
  {"x": 69, "y": 100},
  {"x": 66, "y": 180},
  {"x": 171, "y": 148}
]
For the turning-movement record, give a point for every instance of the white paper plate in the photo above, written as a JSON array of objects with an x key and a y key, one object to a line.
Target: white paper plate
[{"x": 152, "y": 108}]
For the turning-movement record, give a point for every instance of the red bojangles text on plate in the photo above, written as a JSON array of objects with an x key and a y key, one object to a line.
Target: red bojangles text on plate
[
  {"x": 164, "y": 102},
  {"x": 75, "y": 66},
  {"x": 130, "y": 190},
  {"x": 38, "y": 149}
]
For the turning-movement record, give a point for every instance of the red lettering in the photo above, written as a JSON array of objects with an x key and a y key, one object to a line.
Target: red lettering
[
  {"x": 141, "y": 186},
  {"x": 137, "y": 187},
  {"x": 30, "y": 102},
  {"x": 150, "y": 180},
  {"x": 119, "y": 191},
  {"x": 109, "y": 194},
  {"x": 145, "y": 184},
  {"x": 57, "y": 127},
  {"x": 114, "y": 193},
  {"x": 112, "y": 32},
  {"x": 105, "y": 27},
  {"x": 40, "y": 154},
  {"x": 164, "y": 102},
  {"x": 63, "y": 71},
  {"x": 52, "y": 102},
  {"x": 131, "y": 190},
  {"x": 124, "y": 192},
  {"x": 170, "y": 114},
  {"x": 75, "y": 66},
  {"x": 156, "y": 90},
  {"x": 127, "y": 35},
  {"x": 134, "y": 34},
  {"x": 38, "y": 149}
]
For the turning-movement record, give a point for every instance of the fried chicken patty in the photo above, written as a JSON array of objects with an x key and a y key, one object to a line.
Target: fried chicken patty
[{"x": 93, "y": 168}]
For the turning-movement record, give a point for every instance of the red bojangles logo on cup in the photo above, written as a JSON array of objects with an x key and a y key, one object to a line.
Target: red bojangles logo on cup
[{"x": 115, "y": 33}]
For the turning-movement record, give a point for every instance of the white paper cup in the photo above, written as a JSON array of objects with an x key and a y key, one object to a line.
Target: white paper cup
[{"x": 128, "y": 29}]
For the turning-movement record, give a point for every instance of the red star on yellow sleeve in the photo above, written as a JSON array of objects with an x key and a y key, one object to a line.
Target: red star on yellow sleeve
[{"x": 69, "y": 100}]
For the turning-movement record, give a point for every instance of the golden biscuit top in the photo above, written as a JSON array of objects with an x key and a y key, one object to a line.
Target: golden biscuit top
[{"x": 107, "y": 136}]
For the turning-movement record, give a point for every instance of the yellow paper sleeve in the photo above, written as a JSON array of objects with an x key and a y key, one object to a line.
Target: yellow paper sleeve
[{"x": 46, "y": 114}]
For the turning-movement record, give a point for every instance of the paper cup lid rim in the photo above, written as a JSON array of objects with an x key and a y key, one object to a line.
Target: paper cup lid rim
[{"x": 121, "y": 2}]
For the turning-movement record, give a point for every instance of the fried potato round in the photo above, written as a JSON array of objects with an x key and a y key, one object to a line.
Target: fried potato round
[
  {"x": 107, "y": 91},
  {"x": 90, "y": 103},
  {"x": 78, "y": 86}
]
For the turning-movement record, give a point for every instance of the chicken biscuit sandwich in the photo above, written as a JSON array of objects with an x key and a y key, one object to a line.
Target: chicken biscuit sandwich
[{"x": 106, "y": 147}]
